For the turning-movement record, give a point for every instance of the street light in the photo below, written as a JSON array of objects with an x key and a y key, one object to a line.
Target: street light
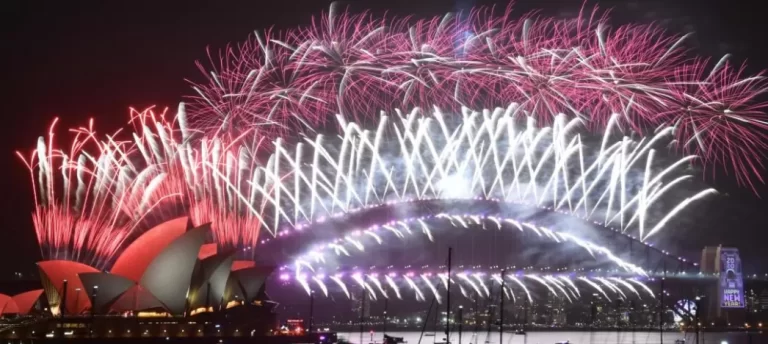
[{"x": 696, "y": 316}]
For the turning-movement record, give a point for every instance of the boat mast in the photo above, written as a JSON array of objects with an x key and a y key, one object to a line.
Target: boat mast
[
  {"x": 501, "y": 308},
  {"x": 448, "y": 300}
]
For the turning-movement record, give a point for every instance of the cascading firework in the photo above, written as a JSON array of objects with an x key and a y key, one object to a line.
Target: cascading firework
[
  {"x": 357, "y": 65},
  {"x": 317, "y": 258},
  {"x": 472, "y": 284},
  {"x": 101, "y": 193},
  {"x": 88, "y": 203},
  {"x": 356, "y": 240},
  {"x": 313, "y": 268},
  {"x": 483, "y": 154}
]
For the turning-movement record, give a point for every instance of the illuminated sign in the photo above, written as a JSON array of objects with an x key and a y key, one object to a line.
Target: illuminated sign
[{"x": 731, "y": 281}]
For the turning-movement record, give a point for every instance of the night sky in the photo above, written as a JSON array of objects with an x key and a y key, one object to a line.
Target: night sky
[{"x": 95, "y": 58}]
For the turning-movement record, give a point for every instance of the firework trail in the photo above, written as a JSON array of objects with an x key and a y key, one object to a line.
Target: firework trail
[
  {"x": 393, "y": 285},
  {"x": 319, "y": 258},
  {"x": 428, "y": 282},
  {"x": 480, "y": 154},
  {"x": 412, "y": 284},
  {"x": 411, "y": 157},
  {"x": 594, "y": 285},
  {"x": 276, "y": 83},
  {"x": 554, "y": 284},
  {"x": 93, "y": 198}
]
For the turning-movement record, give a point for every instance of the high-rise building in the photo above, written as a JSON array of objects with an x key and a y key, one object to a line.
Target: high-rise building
[
  {"x": 362, "y": 306},
  {"x": 708, "y": 259},
  {"x": 726, "y": 264},
  {"x": 762, "y": 301},
  {"x": 752, "y": 299}
]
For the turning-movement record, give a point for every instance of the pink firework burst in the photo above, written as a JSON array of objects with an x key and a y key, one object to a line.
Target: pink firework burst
[
  {"x": 90, "y": 197},
  {"x": 100, "y": 193},
  {"x": 719, "y": 117},
  {"x": 357, "y": 65}
]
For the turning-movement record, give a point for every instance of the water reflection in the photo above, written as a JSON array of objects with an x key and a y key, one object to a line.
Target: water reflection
[{"x": 558, "y": 337}]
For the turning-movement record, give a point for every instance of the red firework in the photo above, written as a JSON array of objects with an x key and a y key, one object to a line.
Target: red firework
[
  {"x": 358, "y": 65},
  {"x": 81, "y": 213},
  {"x": 231, "y": 228},
  {"x": 102, "y": 192}
]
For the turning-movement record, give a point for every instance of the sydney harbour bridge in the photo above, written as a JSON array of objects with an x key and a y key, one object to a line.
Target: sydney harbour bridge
[{"x": 558, "y": 288}]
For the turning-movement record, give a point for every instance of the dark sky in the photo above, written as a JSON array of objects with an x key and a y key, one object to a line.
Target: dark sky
[{"x": 95, "y": 58}]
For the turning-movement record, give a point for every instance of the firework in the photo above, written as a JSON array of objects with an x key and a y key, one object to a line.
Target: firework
[
  {"x": 357, "y": 65},
  {"x": 95, "y": 197},
  {"x": 473, "y": 284},
  {"x": 410, "y": 157},
  {"x": 92, "y": 197},
  {"x": 317, "y": 258},
  {"x": 484, "y": 155}
]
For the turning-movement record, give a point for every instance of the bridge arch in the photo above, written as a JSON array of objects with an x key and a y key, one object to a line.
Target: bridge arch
[
  {"x": 357, "y": 230},
  {"x": 390, "y": 216}
]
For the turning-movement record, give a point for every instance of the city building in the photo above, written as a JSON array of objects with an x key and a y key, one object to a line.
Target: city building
[{"x": 362, "y": 306}]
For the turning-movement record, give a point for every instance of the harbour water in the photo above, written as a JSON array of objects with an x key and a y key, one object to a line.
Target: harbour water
[{"x": 560, "y": 337}]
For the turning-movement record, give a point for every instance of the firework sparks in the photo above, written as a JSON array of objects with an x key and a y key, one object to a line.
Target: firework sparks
[
  {"x": 428, "y": 281},
  {"x": 474, "y": 280},
  {"x": 358, "y": 65},
  {"x": 94, "y": 197},
  {"x": 485, "y": 154}
]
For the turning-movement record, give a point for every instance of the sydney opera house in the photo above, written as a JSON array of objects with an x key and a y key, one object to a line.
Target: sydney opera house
[{"x": 167, "y": 283}]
